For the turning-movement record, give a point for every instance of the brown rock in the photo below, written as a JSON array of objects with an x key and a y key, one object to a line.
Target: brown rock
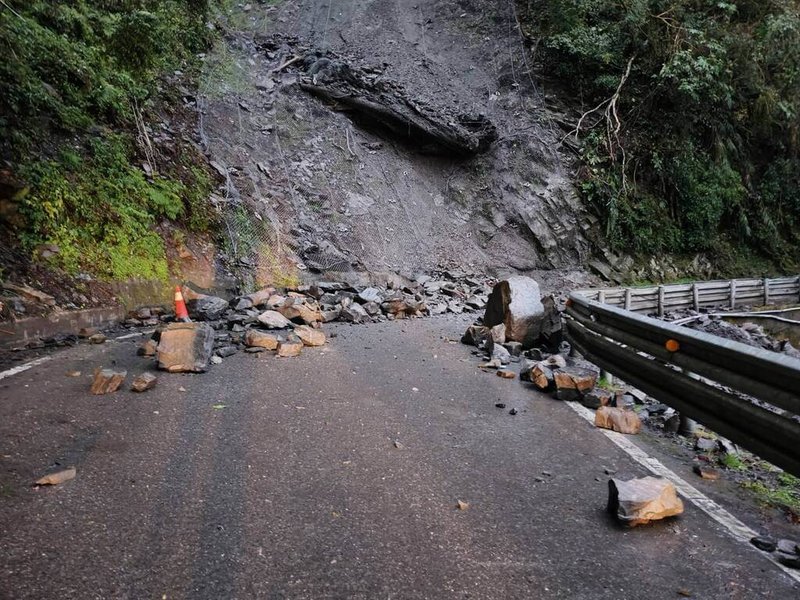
[
  {"x": 309, "y": 336},
  {"x": 640, "y": 501},
  {"x": 476, "y": 335},
  {"x": 185, "y": 347},
  {"x": 259, "y": 339},
  {"x": 261, "y": 296},
  {"x": 107, "y": 381},
  {"x": 275, "y": 301},
  {"x": 506, "y": 374},
  {"x": 542, "y": 377},
  {"x": 144, "y": 382},
  {"x": 300, "y": 313},
  {"x": 58, "y": 477},
  {"x": 573, "y": 382},
  {"x": 706, "y": 472},
  {"x": 617, "y": 419},
  {"x": 148, "y": 348},
  {"x": 86, "y": 332},
  {"x": 290, "y": 348},
  {"x": 97, "y": 338}
]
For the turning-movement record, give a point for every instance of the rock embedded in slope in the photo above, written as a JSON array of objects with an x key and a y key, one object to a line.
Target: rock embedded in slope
[
  {"x": 641, "y": 501},
  {"x": 185, "y": 347},
  {"x": 273, "y": 320}
]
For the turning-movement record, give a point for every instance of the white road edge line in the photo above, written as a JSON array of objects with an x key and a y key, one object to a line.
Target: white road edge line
[
  {"x": 135, "y": 334},
  {"x": 738, "y": 530},
  {"x": 24, "y": 367}
]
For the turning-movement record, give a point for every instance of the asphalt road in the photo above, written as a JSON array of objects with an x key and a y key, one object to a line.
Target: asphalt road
[{"x": 295, "y": 487}]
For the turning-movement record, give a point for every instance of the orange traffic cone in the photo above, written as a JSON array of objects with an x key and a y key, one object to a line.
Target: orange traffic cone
[{"x": 181, "y": 314}]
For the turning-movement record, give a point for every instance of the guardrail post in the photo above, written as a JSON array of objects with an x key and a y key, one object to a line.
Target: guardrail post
[
  {"x": 601, "y": 296},
  {"x": 627, "y": 298},
  {"x": 733, "y": 293},
  {"x": 766, "y": 291},
  {"x": 661, "y": 301},
  {"x": 695, "y": 297}
]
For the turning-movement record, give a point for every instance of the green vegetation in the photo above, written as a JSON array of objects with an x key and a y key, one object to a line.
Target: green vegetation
[
  {"x": 77, "y": 76},
  {"x": 691, "y": 134},
  {"x": 785, "y": 492},
  {"x": 733, "y": 462}
]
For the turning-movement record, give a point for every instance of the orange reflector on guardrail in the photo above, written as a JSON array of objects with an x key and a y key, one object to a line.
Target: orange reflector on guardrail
[{"x": 672, "y": 345}]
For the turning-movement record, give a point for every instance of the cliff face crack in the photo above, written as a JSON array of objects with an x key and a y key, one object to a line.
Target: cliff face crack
[{"x": 387, "y": 108}]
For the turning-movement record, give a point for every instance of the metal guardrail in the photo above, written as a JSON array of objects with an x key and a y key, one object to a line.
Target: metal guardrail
[
  {"x": 749, "y": 395},
  {"x": 729, "y": 293}
]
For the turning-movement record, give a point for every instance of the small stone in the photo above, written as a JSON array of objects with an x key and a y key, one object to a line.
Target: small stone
[
  {"x": 500, "y": 405},
  {"x": 555, "y": 361},
  {"x": 461, "y": 505},
  {"x": 705, "y": 444},
  {"x": 107, "y": 381},
  {"x": 73, "y": 373},
  {"x": 309, "y": 336},
  {"x": 226, "y": 351},
  {"x": 641, "y": 501},
  {"x": 254, "y": 349},
  {"x": 764, "y": 543},
  {"x": 596, "y": 398},
  {"x": 290, "y": 348},
  {"x": 506, "y": 374},
  {"x": 513, "y": 411},
  {"x": 259, "y": 339},
  {"x": 148, "y": 348},
  {"x": 787, "y": 546},
  {"x": 216, "y": 360},
  {"x": 144, "y": 382},
  {"x": 514, "y": 348},
  {"x": 789, "y": 560},
  {"x": 705, "y": 472},
  {"x": 97, "y": 338},
  {"x": 273, "y": 320},
  {"x": 87, "y": 332},
  {"x": 57, "y": 477},
  {"x": 617, "y": 419}
]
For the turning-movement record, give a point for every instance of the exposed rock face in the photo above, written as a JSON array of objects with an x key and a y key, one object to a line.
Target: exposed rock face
[
  {"x": 618, "y": 419},
  {"x": 185, "y": 347},
  {"x": 640, "y": 501},
  {"x": 516, "y": 303},
  {"x": 107, "y": 381}
]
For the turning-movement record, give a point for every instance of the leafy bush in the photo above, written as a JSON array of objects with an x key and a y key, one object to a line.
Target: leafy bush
[{"x": 709, "y": 115}]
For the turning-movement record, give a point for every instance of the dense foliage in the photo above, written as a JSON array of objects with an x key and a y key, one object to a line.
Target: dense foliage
[
  {"x": 76, "y": 75},
  {"x": 694, "y": 142}
]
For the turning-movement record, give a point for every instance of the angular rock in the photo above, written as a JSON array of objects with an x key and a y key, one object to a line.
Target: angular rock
[
  {"x": 370, "y": 294},
  {"x": 525, "y": 369},
  {"x": 476, "y": 335},
  {"x": 300, "y": 313},
  {"x": 506, "y": 374},
  {"x": 273, "y": 320},
  {"x": 617, "y": 419},
  {"x": 372, "y": 308},
  {"x": 225, "y": 351},
  {"x": 516, "y": 302},
  {"x": 330, "y": 314},
  {"x": 788, "y": 560},
  {"x": 242, "y": 303},
  {"x": 476, "y": 302},
  {"x": 354, "y": 313},
  {"x": 275, "y": 301},
  {"x": 309, "y": 336},
  {"x": 500, "y": 354},
  {"x": 514, "y": 348},
  {"x": 455, "y": 307},
  {"x": 555, "y": 361},
  {"x": 148, "y": 348},
  {"x": 260, "y": 297},
  {"x": 87, "y": 332},
  {"x": 764, "y": 543},
  {"x": 185, "y": 347},
  {"x": 206, "y": 308},
  {"x": 290, "y": 348},
  {"x": 498, "y": 333},
  {"x": 97, "y": 338},
  {"x": 542, "y": 377},
  {"x": 706, "y": 472},
  {"x": 788, "y": 546},
  {"x": 107, "y": 381},
  {"x": 641, "y": 501},
  {"x": 258, "y": 339},
  {"x": 573, "y": 382},
  {"x": 144, "y": 382},
  {"x": 596, "y": 398}
]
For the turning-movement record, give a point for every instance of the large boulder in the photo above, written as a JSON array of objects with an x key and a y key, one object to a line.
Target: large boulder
[
  {"x": 206, "y": 308},
  {"x": 185, "y": 347},
  {"x": 516, "y": 302},
  {"x": 640, "y": 501}
]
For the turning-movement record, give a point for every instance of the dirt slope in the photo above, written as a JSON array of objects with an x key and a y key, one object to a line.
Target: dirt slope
[{"x": 333, "y": 195}]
